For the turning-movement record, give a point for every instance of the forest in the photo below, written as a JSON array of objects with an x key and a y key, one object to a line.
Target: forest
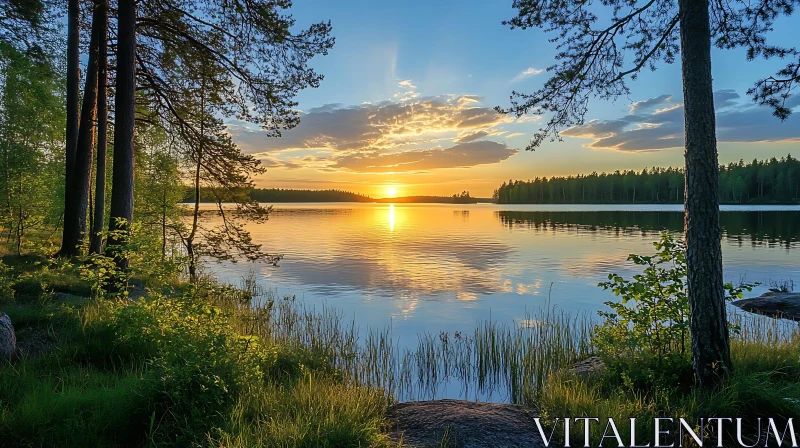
[
  {"x": 773, "y": 181},
  {"x": 271, "y": 195}
]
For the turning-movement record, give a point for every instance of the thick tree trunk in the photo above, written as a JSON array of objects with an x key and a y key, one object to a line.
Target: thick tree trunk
[
  {"x": 709, "y": 323},
  {"x": 122, "y": 181},
  {"x": 73, "y": 88},
  {"x": 96, "y": 245},
  {"x": 76, "y": 194}
]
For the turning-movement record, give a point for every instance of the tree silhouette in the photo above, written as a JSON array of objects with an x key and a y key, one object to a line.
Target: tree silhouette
[{"x": 594, "y": 60}]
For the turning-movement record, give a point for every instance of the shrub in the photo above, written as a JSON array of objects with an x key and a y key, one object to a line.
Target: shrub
[
  {"x": 652, "y": 318},
  {"x": 197, "y": 362}
]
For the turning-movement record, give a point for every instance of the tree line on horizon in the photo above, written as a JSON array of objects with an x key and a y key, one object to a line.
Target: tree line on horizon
[
  {"x": 278, "y": 195},
  {"x": 760, "y": 181}
]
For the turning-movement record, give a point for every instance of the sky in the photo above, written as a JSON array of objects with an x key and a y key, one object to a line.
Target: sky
[{"x": 407, "y": 102}]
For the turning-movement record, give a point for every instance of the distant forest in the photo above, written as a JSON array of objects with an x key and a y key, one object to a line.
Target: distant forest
[
  {"x": 284, "y": 195},
  {"x": 768, "y": 181},
  {"x": 277, "y": 195}
]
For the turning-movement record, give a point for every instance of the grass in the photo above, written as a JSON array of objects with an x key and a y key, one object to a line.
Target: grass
[
  {"x": 765, "y": 384},
  {"x": 219, "y": 366},
  {"x": 199, "y": 368}
]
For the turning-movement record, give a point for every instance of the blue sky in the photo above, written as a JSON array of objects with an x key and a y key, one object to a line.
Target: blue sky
[{"x": 409, "y": 86}]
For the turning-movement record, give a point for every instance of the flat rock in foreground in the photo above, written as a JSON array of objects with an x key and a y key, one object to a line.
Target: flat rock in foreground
[
  {"x": 465, "y": 423},
  {"x": 784, "y": 305}
]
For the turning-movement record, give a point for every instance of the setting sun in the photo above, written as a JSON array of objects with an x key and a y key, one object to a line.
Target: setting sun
[{"x": 391, "y": 192}]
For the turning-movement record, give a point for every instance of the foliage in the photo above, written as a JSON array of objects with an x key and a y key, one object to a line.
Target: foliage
[
  {"x": 186, "y": 368},
  {"x": 160, "y": 190},
  {"x": 287, "y": 195},
  {"x": 652, "y": 319},
  {"x": 764, "y": 384},
  {"x": 198, "y": 364},
  {"x": 144, "y": 253},
  {"x": 31, "y": 131},
  {"x": 600, "y": 51},
  {"x": 463, "y": 198},
  {"x": 768, "y": 181}
]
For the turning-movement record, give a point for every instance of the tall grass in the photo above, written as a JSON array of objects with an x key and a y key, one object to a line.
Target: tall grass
[{"x": 506, "y": 362}]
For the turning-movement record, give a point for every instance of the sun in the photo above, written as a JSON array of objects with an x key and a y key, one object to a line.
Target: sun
[{"x": 391, "y": 192}]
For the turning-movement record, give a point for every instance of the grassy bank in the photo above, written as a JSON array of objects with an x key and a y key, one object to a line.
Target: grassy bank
[
  {"x": 221, "y": 366},
  {"x": 184, "y": 365}
]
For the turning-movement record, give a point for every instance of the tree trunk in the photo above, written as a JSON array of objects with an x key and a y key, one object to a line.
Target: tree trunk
[
  {"x": 196, "y": 211},
  {"x": 76, "y": 194},
  {"x": 73, "y": 88},
  {"x": 709, "y": 323},
  {"x": 122, "y": 181},
  {"x": 96, "y": 245}
]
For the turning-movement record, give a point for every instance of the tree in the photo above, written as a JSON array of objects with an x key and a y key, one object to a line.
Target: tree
[
  {"x": 264, "y": 61},
  {"x": 592, "y": 62},
  {"x": 76, "y": 195},
  {"x": 28, "y": 25},
  {"x": 73, "y": 81},
  {"x": 98, "y": 220},
  {"x": 159, "y": 188},
  {"x": 31, "y": 131},
  {"x": 121, "y": 214},
  {"x": 219, "y": 167}
]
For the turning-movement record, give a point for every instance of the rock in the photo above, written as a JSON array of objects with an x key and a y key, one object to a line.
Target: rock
[
  {"x": 464, "y": 424},
  {"x": 65, "y": 296},
  {"x": 8, "y": 340},
  {"x": 783, "y": 305},
  {"x": 588, "y": 366}
]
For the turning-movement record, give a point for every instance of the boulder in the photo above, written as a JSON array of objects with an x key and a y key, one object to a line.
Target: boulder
[
  {"x": 464, "y": 424},
  {"x": 588, "y": 366},
  {"x": 783, "y": 305},
  {"x": 8, "y": 340}
]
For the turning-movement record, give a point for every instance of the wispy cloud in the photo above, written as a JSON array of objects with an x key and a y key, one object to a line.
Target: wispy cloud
[
  {"x": 658, "y": 123},
  {"x": 527, "y": 73},
  {"x": 406, "y": 84}
]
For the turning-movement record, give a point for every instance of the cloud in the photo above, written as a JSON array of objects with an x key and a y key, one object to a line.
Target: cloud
[
  {"x": 658, "y": 123},
  {"x": 650, "y": 104},
  {"x": 470, "y": 137},
  {"x": 457, "y": 156},
  {"x": 406, "y": 84},
  {"x": 515, "y": 134},
  {"x": 725, "y": 98},
  {"x": 389, "y": 136},
  {"x": 527, "y": 73}
]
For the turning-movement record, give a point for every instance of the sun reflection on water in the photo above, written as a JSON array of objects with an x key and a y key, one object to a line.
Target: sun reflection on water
[{"x": 391, "y": 217}]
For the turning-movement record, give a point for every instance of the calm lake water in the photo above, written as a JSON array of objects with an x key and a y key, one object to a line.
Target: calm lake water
[{"x": 442, "y": 267}]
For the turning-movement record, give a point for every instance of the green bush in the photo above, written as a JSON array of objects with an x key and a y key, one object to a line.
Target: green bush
[
  {"x": 652, "y": 319},
  {"x": 197, "y": 362}
]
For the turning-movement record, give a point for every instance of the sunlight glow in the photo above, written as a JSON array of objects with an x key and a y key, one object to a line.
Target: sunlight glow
[{"x": 391, "y": 192}]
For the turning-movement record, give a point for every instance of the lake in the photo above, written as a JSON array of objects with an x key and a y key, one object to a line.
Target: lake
[{"x": 444, "y": 267}]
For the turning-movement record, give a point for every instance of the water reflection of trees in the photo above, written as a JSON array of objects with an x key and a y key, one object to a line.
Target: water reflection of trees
[{"x": 772, "y": 228}]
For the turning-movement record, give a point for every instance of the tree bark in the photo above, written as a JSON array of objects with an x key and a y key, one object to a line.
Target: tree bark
[
  {"x": 73, "y": 87},
  {"x": 122, "y": 181},
  {"x": 76, "y": 194},
  {"x": 96, "y": 245},
  {"x": 709, "y": 324}
]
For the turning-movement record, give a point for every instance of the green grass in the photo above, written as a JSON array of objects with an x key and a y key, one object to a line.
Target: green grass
[
  {"x": 203, "y": 366},
  {"x": 764, "y": 384},
  {"x": 198, "y": 368}
]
